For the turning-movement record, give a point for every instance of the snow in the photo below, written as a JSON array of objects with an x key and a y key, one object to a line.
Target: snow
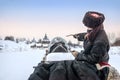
[
  {"x": 19, "y": 65},
  {"x": 10, "y": 46},
  {"x": 17, "y": 59},
  {"x": 62, "y": 56},
  {"x": 115, "y": 50}
]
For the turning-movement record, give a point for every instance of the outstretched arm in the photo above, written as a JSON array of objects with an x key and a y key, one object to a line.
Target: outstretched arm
[{"x": 80, "y": 36}]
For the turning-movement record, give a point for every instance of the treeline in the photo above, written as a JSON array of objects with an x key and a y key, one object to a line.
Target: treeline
[
  {"x": 17, "y": 40},
  {"x": 38, "y": 43},
  {"x": 113, "y": 39}
]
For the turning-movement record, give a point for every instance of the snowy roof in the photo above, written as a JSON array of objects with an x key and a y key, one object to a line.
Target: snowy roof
[{"x": 38, "y": 44}]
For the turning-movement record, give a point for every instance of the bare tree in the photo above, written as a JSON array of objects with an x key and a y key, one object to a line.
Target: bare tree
[
  {"x": 11, "y": 38},
  {"x": 112, "y": 37},
  {"x": 0, "y": 38}
]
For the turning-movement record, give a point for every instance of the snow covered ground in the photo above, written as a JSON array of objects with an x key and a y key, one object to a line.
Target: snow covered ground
[{"x": 17, "y": 60}]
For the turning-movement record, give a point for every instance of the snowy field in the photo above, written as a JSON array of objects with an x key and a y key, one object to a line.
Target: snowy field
[{"x": 17, "y": 60}]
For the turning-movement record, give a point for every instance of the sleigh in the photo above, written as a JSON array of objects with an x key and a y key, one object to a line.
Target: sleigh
[{"x": 59, "y": 51}]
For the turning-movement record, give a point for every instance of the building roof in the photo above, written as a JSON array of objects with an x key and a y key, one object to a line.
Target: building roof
[{"x": 46, "y": 38}]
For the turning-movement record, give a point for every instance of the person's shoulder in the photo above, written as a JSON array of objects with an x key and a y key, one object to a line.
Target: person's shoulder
[
  {"x": 102, "y": 32},
  {"x": 102, "y": 36}
]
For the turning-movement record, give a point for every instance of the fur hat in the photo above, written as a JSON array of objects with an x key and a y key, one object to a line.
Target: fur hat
[{"x": 93, "y": 19}]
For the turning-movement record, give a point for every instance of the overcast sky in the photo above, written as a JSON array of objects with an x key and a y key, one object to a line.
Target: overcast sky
[{"x": 34, "y": 18}]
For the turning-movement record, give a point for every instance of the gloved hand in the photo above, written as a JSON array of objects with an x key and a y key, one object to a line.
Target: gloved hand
[{"x": 74, "y": 53}]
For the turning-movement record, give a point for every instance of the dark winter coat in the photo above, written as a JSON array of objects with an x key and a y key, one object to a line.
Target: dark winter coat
[
  {"x": 96, "y": 51},
  {"x": 64, "y": 70}
]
